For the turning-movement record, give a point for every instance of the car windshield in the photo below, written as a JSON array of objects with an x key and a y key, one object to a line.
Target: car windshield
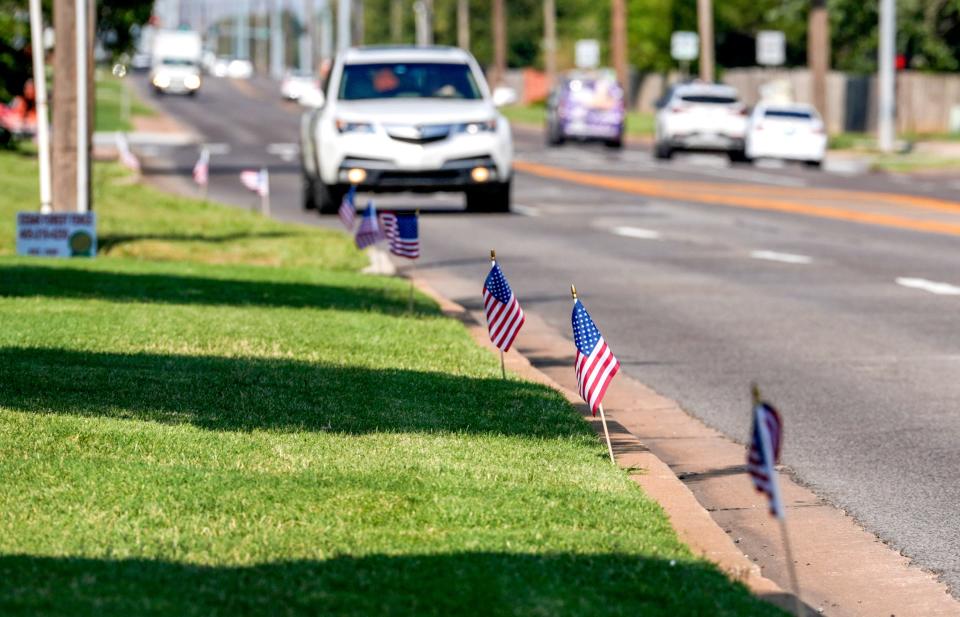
[
  {"x": 710, "y": 99},
  {"x": 408, "y": 80},
  {"x": 791, "y": 114},
  {"x": 178, "y": 62}
]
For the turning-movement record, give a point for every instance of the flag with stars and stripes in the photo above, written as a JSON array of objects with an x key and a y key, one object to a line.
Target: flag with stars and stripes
[
  {"x": 504, "y": 315},
  {"x": 388, "y": 224},
  {"x": 764, "y": 452},
  {"x": 369, "y": 231},
  {"x": 127, "y": 158},
  {"x": 405, "y": 241},
  {"x": 595, "y": 363},
  {"x": 201, "y": 169},
  {"x": 256, "y": 181},
  {"x": 348, "y": 208}
]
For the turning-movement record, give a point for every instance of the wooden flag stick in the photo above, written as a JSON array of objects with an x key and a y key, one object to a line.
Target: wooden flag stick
[
  {"x": 503, "y": 368},
  {"x": 606, "y": 433},
  {"x": 791, "y": 568},
  {"x": 410, "y": 298}
]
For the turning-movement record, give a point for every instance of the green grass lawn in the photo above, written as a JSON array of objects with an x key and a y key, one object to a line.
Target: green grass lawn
[
  {"x": 219, "y": 416},
  {"x": 638, "y": 124},
  {"x": 108, "y": 107}
]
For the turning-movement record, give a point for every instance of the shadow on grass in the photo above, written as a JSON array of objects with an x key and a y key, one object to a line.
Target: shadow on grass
[
  {"x": 242, "y": 394},
  {"x": 109, "y": 241},
  {"x": 474, "y": 583},
  {"x": 66, "y": 282}
]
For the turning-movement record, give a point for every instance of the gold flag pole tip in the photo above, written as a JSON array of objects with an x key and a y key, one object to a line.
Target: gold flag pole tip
[
  {"x": 755, "y": 392},
  {"x": 493, "y": 255},
  {"x": 573, "y": 291}
]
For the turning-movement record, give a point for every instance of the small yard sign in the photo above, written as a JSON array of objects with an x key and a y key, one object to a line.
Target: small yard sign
[{"x": 64, "y": 234}]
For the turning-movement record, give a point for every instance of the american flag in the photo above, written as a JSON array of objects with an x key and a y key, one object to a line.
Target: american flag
[
  {"x": 596, "y": 364},
  {"x": 348, "y": 208},
  {"x": 764, "y": 453},
  {"x": 388, "y": 224},
  {"x": 406, "y": 237},
  {"x": 504, "y": 315},
  {"x": 369, "y": 231},
  {"x": 127, "y": 158},
  {"x": 201, "y": 169},
  {"x": 256, "y": 181}
]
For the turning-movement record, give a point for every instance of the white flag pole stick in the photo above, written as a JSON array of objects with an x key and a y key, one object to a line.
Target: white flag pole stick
[
  {"x": 791, "y": 568},
  {"x": 606, "y": 433},
  {"x": 265, "y": 193}
]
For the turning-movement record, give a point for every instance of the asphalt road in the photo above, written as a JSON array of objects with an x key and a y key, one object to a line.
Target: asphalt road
[{"x": 842, "y": 301}]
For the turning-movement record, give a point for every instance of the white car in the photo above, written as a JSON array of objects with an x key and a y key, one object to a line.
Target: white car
[
  {"x": 701, "y": 117},
  {"x": 239, "y": 69},
  {"x": 791, "y": 131},
  {"x": 416, "y": 119},
  {"x": 296, "y": 84}
]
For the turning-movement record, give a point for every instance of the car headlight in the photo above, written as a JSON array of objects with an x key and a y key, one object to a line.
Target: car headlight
[
  {"x": 344, "y": 126},
  {"x": 161, "y": 80},
  {"x": 191, "y": 81},
  {"x": 472, "y": 128}
]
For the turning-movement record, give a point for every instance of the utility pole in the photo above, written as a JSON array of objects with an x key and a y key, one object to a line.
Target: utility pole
[
  {"x": 705, "y": 27},
  {"x": 308, "y": 38},
  {"x": 396, "y": 21},
  {"x": 326, "y": 30},
  {"x": 886, "y": 107},
  {"x": 499, "y": 43},
  {"x": 277, "y": 60},
  {"x": 65, "y": 76},
  {"x": 818, "y": 55},
  {"x": 463, "y": 24},
  {"x": 550, "y": 40},
  {"x": 241, "y": 31},
  {"x": 359, "y": 24},
  {"x": 618, "y": 43},
  {"x": 423, "y": 16},
  {"x": 343, "y": 24}
]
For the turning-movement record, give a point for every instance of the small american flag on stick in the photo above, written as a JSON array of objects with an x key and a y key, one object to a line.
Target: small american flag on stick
[
  {"x": 201, "y": 169},
  {"x": 369, "y": 231},
  {"x": 504, "y": 315},
  {"x": 127, "y": 158},
  {"x": 405, "y": 241},
  {"x": 256, "y": 181},
  {"x": 596, "y": 365},
  {"x": 348, "y": 208},
  {"x": 766, "y": 431},
  {"x": 388, "y": 224}
]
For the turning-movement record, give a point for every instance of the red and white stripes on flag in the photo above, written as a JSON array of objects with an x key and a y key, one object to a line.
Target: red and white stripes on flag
[
  {"x": 256, "y": 181},
  {"x": 388, "y": 224},
  {"x": 127, "y": 158},
  {"x": 201, "y": 169},
  {"x": 369, "y": 231},
  {"x": 348, "y": 210},
  {"x": 765, "y": 438},
  {"x": 595, "y": 363},
  {"x": 405, "y": 241},
  {"x": 504, "y": 315}
]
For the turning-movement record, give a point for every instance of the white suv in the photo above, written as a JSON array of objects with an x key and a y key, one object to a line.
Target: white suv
[
  {"x": 406, "y": 119},
  {"x": 701, "y": 117}
]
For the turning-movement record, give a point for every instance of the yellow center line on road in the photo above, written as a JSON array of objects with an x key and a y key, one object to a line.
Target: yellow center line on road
[{"x": 751, "y": 197}]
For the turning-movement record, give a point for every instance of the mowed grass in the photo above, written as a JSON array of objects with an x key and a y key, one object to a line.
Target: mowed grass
[
  {"x": 184, "y": 433},
  {"x": 108, "y": 108}
]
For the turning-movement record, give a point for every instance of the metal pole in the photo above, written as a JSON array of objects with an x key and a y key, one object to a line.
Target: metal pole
[
  {"x": 277, "y": 60},
  {"x": 343, "y": 24},
  {"x": 818, "y": 55},
  {"x": 705, "y": 26},
  {"x": 241, "y": 32},
  {"x": 326, "y": 31},
  {"x": 618, "y": 43},
  {"x": 499, "y": 43},
  {"x": 791, "y": 568},
  {"x": 83, "y": 158},
  {"x": 886, "y": 108},
  {"x": 40, "y": 89},
  {"x": 463, "y": 24}
]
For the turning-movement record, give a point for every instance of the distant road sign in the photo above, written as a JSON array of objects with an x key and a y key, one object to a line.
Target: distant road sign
[
  {"x": 684, "y": 46},
  {"x": 771, "y": 48},
  {"x": 587, "y": 52}
]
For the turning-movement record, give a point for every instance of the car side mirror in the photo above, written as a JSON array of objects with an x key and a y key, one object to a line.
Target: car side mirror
[{"x": 503, "y": 95}]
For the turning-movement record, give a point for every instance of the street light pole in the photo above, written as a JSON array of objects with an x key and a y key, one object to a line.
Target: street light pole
[
  {"x": 83, "y": 151},
  {"x": 343, "y": 24},
  {"x": 705, "y": 26},
  {"x": 886, "y": 78},
  {"x": 550, "y": 40},
  {"x": 40, "y": 88},
  {"x": 499, "y": 42}
]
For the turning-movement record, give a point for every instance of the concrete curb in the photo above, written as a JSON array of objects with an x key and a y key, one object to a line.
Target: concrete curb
[{"x": 691, "y": 521}]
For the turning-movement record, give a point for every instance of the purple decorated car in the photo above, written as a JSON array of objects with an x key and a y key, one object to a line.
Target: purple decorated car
[{"x": 586, "y": 106}]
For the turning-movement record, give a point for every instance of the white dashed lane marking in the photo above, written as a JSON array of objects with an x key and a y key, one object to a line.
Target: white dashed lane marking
[
  {"x": 787, "y": 258},
  {"x": 636, "y": 232},
  {"x": 934, "y": 287}
]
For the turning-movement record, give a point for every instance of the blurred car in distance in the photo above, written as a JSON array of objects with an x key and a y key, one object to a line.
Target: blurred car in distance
[
  {"x": 405, "y": 118},
  {"x": 239, "y": 69},
  {"x": 220, "y": 66},
  {"x": 788, "y": 131},
  {"x": 701, "y": 117},
  {"x": 175, "y": 67},
  {"x": 296, "y": 83},
  {"x": 586, "y": 106}
]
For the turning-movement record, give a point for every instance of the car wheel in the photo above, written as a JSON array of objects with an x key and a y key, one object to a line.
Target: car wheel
[
  {"x": 495, "y": 198},
  {"x": 328, "y": 197},
  {"x": 814, "y": 164},
  {"x": 738, "y": 156},
  {"x": 662, "y": 151},
  {"x": 308, "y": 194},
  {"x": 614, "y": 144},
  {"x": 554, "y": 135}
]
